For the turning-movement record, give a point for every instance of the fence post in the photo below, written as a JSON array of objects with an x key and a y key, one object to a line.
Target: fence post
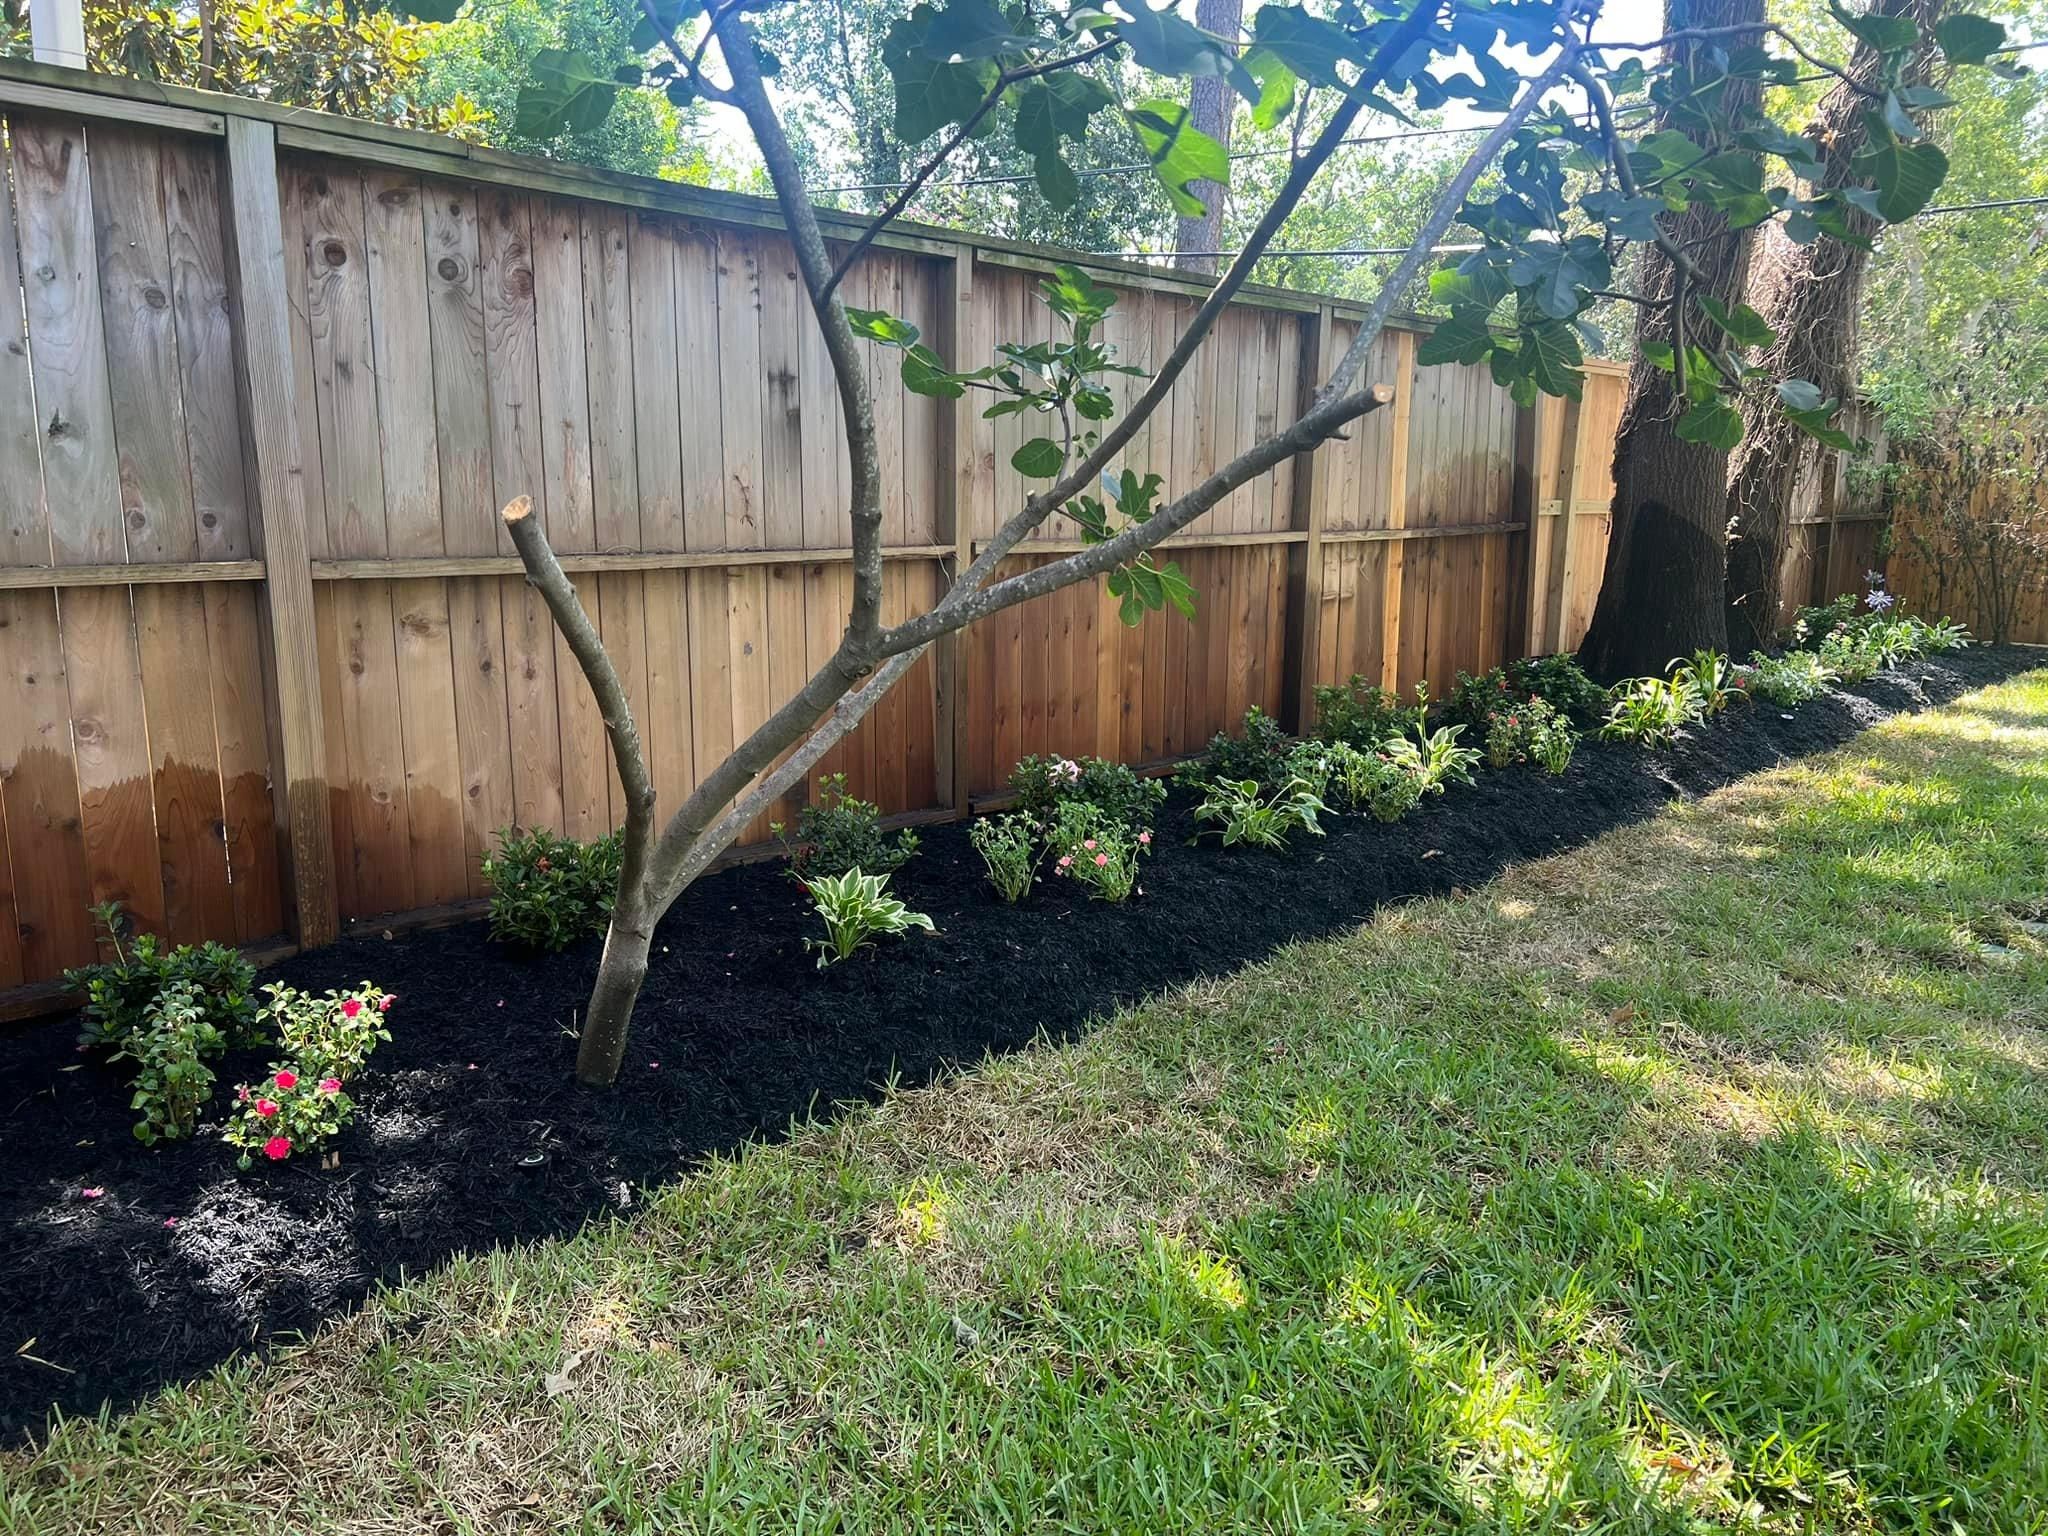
[
  {"x": 1397, "y": 509},
  {"x": 1560, "y": 575},
  {"x": 955, "y": 525},
  {"x": 1305, "y": 515},
  {"x": 1526, "y": 479},
  {"x": 270, "y": 410}
]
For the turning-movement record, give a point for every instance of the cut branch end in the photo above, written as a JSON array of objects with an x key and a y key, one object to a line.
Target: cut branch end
[{"x": 518, "y": 509}]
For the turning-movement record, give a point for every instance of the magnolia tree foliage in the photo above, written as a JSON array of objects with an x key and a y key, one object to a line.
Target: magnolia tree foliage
[{"x": 1581, "y": 178}]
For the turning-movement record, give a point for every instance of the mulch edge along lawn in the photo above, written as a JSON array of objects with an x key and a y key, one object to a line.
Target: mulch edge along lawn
[{"x": 471, "y": 1134}]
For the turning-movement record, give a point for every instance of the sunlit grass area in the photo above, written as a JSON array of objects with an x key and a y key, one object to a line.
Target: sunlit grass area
[{"x": 1694, "y": 1180}]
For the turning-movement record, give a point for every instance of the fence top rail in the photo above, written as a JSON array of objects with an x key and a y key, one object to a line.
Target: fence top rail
[{"x": 54, "y": 88}]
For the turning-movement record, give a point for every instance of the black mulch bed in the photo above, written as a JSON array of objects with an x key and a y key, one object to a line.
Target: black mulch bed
[{"x": 736, "y": 1035}]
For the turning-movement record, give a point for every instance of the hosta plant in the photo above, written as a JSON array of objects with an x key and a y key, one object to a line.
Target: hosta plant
[
  {"x": 1098, "y": 851},
  {"x": 548, "y": 891},
  {"x": 1650, "y": 711},
  {"x": 289, "y": 1114},
  {"x": 1435, "y": 758},
  {"x": 1250, "y": 814},
  {"x": 856, "y": 909},
  {"x": 1009, "y": 846},
  {"x": 838, "y": 832}
]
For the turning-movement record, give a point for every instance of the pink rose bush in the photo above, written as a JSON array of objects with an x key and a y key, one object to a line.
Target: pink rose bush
[
  {"x": 1098, "y": 850},
  {"x": 304, "y": 1104}
]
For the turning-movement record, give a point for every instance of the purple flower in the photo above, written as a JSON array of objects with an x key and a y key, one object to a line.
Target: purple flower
[
  {"x": 1873, "y": 578},
  {"x": 1879, "y": 601}
]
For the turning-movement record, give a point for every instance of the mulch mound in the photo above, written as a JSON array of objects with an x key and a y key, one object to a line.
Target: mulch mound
[{"x": 471, "y": 1133}]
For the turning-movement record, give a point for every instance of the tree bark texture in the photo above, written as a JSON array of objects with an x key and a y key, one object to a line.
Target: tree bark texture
[
  {"x": 1810, "y": 295},
  {"x": 1210, "y": 109},
  {"x": 1662, "y": 592}
]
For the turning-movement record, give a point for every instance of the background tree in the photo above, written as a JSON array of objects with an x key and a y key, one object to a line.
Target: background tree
[
  {"x": 1661, "y": 594},
  {"x": 1810, "y": 295},
  {"x": 961, "y": 69},
  {"x": 1211, "y": 106}
]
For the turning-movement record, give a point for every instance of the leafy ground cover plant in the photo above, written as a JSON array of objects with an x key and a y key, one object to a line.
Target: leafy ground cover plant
[
  {"x": 548, "y": 891},
  {"x": 1531, "y": 731},
  {"x": 1786, "y": 680},
  {"x": 838, "y": 833},
  {"x": 1361, "y": 715},
  {"x": 1650, "y": 711},
  {"x": 1713, "y": 681},
  {"x": 1435, "y": 758},
  {"x": 1042, "y": 784},
  {"x": 119, "y": 993},
  {"x": 856, "y": 908},
  {"x": 1557, "y": 680},
  {"x": 1099, "y": 851},
  {"x": 1009, "y": 846},
  {"x": 1262, "y": 818},
  {"x": 1373, "y": 783},
  {"x": 1853, "y": 653}
]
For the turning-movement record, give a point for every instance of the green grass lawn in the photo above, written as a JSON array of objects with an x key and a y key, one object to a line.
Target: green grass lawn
[{"x": 1692, "y": 1180}]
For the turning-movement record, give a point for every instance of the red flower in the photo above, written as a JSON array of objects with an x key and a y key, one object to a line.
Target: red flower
[
  {"x": 330, "y": 1085},
  {"x": 286, "y": 1080},
  {"x": 265, "y": 1109},
  {"x": 278, "y": 1148},
  {"x": 351, "y": 1008}
]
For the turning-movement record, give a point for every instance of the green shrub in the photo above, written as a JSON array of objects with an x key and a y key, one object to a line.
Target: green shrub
[
  {"x": 120, "y": 994},
  {"x": 1259, "y": 753},
  {"x": 837, "y": 833},
  {"x": 1558, "y": 681},
  {"x": 170, "y": 1049},
  {"x": 332, "y": 1034},
  {"x": 549, "y": 891},
  {"x": 1361, "y": 715},
  {"x": 1812, "y": 625},
  {"x": 1043, "y": 784}
]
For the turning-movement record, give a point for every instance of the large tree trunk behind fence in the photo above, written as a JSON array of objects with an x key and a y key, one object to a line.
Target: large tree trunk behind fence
[
  {"x": 1210, "y": 108},
  {"x": 1661, "y": 594},
  {"x": 1810, "y": 295}
]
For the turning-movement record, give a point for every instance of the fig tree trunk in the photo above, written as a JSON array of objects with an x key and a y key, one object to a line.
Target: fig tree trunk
[
  {"x": 1210, "y": 106},
  {"x": 1661, "y": 595}
]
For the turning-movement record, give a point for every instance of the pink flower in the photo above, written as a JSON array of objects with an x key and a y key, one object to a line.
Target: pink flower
[
  {"x": 1144, "y": 839},
  {"x": 1089, "y": 845},
  {"x": 330, "y": 1085},
  {"x": 384, "y": 1003},
  {"x": 278, "y": 1148},
  {"x": 242, "y": 1093},
  {"x": 265, "y": 1109},
  {"x": 1101, "y": 859},
  {"x": 170, "y": 1221},
  {"x": 286, "y": 1080},
  {"x": 1066, "y": 861},
  {"x": 91, "y": 1194},
  {"x": 351, "y": 1008}
]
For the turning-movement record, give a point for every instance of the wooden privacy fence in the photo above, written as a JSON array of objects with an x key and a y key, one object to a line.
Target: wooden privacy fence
[{"x": 267, "y": 662}]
